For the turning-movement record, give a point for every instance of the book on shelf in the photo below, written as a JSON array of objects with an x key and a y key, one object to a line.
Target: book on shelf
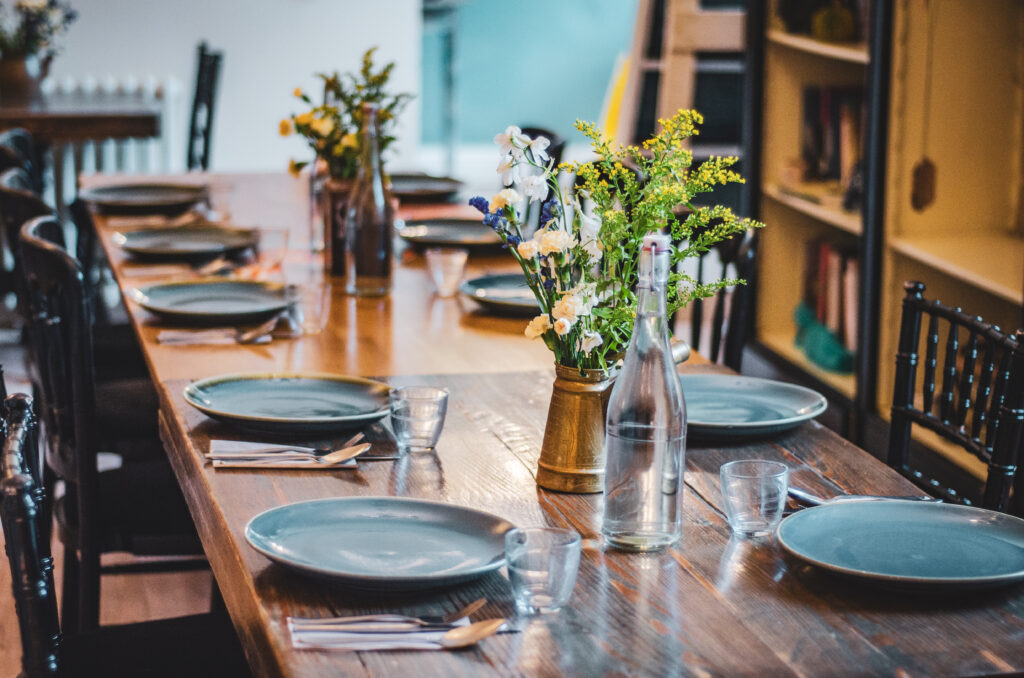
[
  {"x": 831, "y": 140},
  {"x": 831, "y": 286}
]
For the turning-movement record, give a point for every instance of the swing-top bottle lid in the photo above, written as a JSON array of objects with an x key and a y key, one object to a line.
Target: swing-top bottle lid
[{"x": 656, "y": 243}]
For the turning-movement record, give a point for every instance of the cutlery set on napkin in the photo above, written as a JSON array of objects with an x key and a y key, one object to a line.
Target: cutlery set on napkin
[
  {"x": 394, "y": 631},
  {"x": 240, "y": 454}
]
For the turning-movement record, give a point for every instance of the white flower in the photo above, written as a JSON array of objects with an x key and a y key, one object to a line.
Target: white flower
[
  {"x": 538, "y": 326},
  {"x": 552, "y": 241},
  {"x": 536, "y": 187},
  {"x": 508, "y": 170},
  {"x": 527, "y": 249},
  {"x": 512, "y": 140},
  {"x": 570, "y": 307},
  {"x": 563, "y": 326},
  {"x": 539, "y": 148},
  {"x": 508, "y": 196},
  {"x": 589, "y": 340},
  {"x": 590, "y": 228}
]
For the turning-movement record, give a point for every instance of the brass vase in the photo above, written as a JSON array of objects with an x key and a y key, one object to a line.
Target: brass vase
[{"x": 572, "y": 454}]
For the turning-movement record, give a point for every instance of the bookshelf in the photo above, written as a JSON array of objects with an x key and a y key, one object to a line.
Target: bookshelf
[{"x": 965, "y": 241}]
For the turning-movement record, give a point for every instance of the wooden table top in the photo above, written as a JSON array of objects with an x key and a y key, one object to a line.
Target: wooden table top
[
  {"x": 713, "y": 605},
  {"x": 75, "y": 117}
]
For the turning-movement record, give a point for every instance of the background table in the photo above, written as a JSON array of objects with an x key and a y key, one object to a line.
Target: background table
[{"x": 713, "y": 605}]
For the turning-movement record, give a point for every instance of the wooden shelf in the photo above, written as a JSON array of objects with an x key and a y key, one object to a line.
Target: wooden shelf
[
  {"x": 989, "y": 261},
  {"x": 784, "y": 345},
  {"x": 793, "y": 198},
  {"x": 856, "y": 53}
]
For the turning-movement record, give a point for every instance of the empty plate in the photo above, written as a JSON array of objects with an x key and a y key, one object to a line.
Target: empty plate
[
  {"x": 909, "y": 544},
  {"x": 450, "y": 233},
  {"x": 290, "y": 404},
  {"x": 720, "y": 405},
  {"x": 186, "y": 243},
  {"x": 126, "y": 199},
  {"x": 381, "y": 543},
  {"x": 504, "y": 292},
  {"x": 228, "y": 302},
  {"x": 414, "y": 187}
]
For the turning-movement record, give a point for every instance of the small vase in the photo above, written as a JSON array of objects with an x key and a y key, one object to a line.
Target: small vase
[
  {"x": 334, "y": 205},
  {"x": 572, "y": 454},
  {"x": 20, "y": 78}
]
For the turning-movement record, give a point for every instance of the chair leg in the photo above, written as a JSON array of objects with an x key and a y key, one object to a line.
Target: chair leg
[{"x": 89, "y": 591}]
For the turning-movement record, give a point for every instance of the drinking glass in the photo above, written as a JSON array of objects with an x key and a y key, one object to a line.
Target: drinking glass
[
  {"x": 446, "y": 266},
  {"x": 753, "y": 492},
  {"x": 542, "y": 565},
  {"x": 417, "y": 416},
  {"x": 273, "y": 248},
  {"x": 310, "y": 303}
]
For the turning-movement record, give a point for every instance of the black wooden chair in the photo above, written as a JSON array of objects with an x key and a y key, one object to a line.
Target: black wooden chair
[
  {"x": 730, "y": 327},
  {"x": 207, "y": 72},
  {"x": 136, "y": 507},
  {"x": 979, "y": 404},
  {"x": 18, "y": 149},
  {"x": 196, "y": 646},
  {"x": 19, "y": 202}
]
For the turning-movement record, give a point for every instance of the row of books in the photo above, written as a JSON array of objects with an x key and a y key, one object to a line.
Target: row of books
[
  {"x": 831, "y": 133},
  {"x": 831, "y": 287}
]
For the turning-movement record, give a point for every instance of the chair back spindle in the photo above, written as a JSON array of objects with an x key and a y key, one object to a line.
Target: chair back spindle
[
  {"x": 27, "y": 553},
  {"x": 201, "y": 124}
]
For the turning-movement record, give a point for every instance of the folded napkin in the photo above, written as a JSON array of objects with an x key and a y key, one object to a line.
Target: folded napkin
[
  {"x": 351, "y": 641},
  {"x": 223, "y": 336},
  {"x": 240, "y": 454}
]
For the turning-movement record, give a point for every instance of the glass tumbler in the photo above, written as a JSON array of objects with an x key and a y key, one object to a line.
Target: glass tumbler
[
  {"x": 446, "y": 267},
  {"x": 542, "y": 565},
  {"x": 417, "y": 416},
  {"x": 754, "y": 492}
]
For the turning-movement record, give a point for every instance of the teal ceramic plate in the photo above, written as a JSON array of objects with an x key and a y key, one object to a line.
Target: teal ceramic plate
[
  {"x": 381, "y": 543},
  {"x": 127, "y": 199},
  {"x": 186, "y": 243},
  {"x": 450, "y": 233},
  {"x": 227, "y": 302},
  {"x": 909, "y": 544},
  {"x": 720, "y": 405},
  {"x": 504, "y": 293},
  {"x": 304, "y": 405},
  {"x": 413, "y": 187}
]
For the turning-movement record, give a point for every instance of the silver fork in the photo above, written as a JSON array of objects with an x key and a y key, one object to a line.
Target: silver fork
[{"x": 389, "y": 622}]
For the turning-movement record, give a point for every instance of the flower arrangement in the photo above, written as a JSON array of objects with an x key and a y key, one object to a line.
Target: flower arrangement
[
  {"x": 332, "y": 128},
  {"x": 31, "y": 27},
  {"x": 582, "y": 264}
]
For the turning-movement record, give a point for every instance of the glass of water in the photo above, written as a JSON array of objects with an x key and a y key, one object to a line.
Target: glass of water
[
  {"x": 542, "y": 565},
  {"x": 417, "y": 416},
  {"x": 754, "y": 492}
]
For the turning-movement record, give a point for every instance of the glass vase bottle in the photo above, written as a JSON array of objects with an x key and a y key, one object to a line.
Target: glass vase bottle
[
  {"x": 645, "y": 431},
  {"x": 370, "y": 218}
]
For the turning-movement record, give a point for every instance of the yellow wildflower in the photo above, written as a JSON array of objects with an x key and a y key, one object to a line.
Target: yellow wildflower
[
  {"x": 285, "y": 127},
  {"x": 322, "y": 126},
  {"x": 349, "y": 140},
  {"x": 294, "y": 168},
  {"x": 304, "y": 118},
  {"x": 298, "y": 92}
]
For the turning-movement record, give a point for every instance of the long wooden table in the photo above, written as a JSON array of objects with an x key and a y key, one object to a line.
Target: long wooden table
[{"x": 714, "y": 605}]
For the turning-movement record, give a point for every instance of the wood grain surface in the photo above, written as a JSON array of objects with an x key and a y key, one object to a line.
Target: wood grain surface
[
  {"x": 76, "y": 117},
  {"x": 714, "y": 605}
]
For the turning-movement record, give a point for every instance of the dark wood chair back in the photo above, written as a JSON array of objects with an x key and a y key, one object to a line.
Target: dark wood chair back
[
  {"x": 27, "y": 548},
  {"x": 973, "y": 398},
  {"x": 19, "y": 202},
  {"x": 731, "y": 318},
  {"x": 18, "y": 149},
  {"x": 58, "y": 307},
  {"x": 201, "y": 124}
]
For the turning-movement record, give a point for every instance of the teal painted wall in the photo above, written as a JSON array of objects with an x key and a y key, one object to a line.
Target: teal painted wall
[{"x": 527, "y": 62}]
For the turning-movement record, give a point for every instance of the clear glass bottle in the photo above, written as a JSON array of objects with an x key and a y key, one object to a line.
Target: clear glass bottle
[
  {"x": 645, "y": 433},
  {"x": 370, "y": 218}
]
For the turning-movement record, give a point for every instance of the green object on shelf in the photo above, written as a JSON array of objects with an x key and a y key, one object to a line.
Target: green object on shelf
[{"x": 821, "y": 346}]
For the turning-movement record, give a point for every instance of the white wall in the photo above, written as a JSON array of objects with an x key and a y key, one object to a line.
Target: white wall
[{"x": 269, "y": 46}]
